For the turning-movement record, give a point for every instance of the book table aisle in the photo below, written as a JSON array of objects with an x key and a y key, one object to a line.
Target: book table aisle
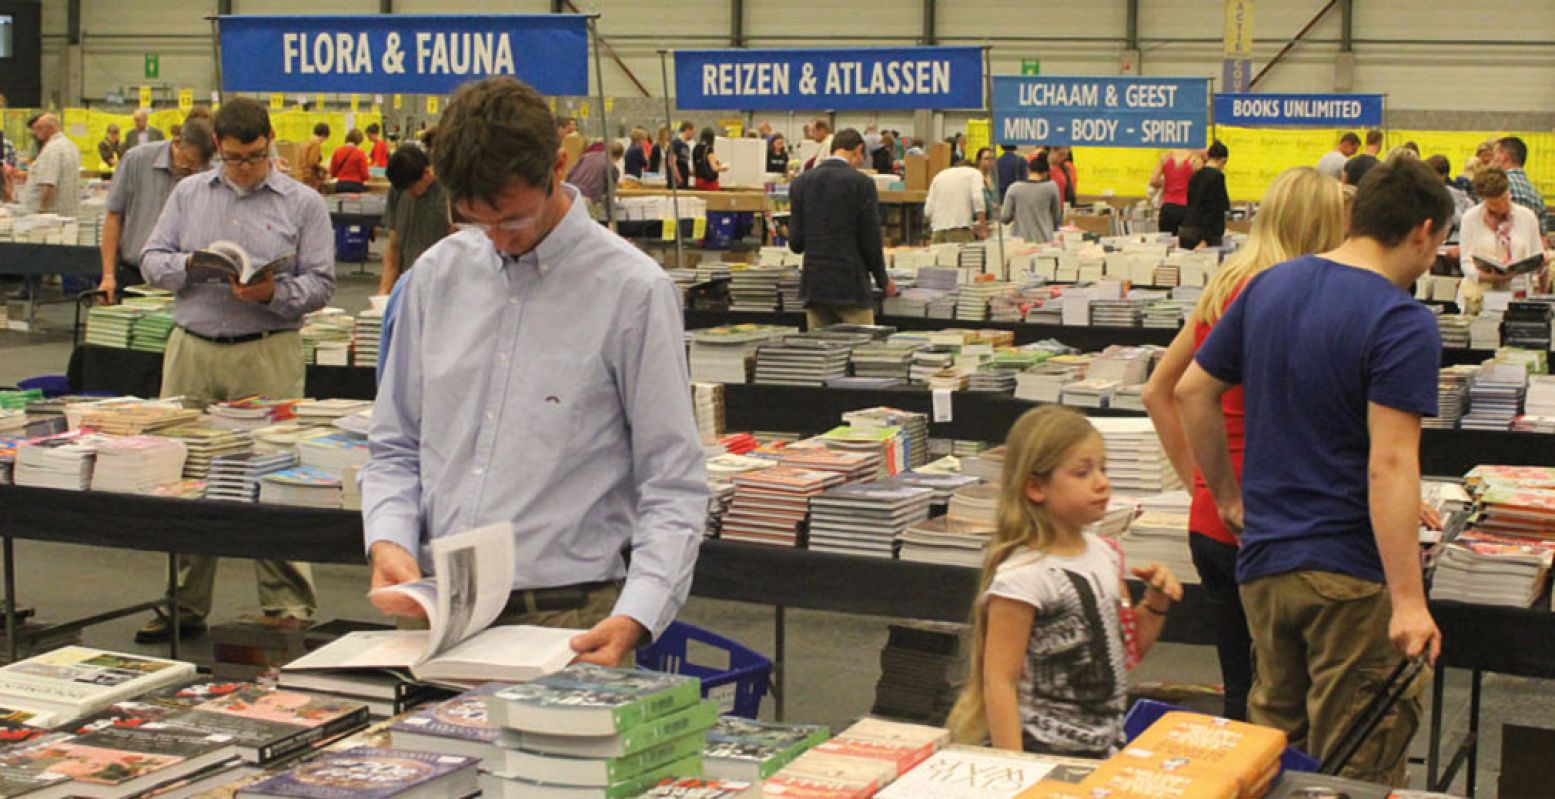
[{"x": 1477, "y": 638}]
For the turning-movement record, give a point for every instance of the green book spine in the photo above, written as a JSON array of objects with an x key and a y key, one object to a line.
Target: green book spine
[
  {"x": 697, "y": 718},
  {"x": 652, "y": 707},
  {"x": 789, "y": 755},
  {"x": 672, "y": 751},
  {"x": 686, "y": 767}
]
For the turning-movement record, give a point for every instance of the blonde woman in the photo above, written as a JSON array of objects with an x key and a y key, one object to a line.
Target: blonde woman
[
  {"x": 1302, "y": 213},
  {"x": 1051, "y": 650}
]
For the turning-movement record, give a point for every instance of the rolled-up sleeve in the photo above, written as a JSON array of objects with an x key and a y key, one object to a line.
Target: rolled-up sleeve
[
  {"x": 309, "y": 286},
  {"x": 162, "y": 259},
  {"x": 667, "y": 462},
  {"x": 391, "y": 480}
]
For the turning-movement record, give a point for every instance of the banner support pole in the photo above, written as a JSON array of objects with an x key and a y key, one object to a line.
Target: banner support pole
[
  {"x": 604, "y": 126},
  {"x": 669, "y": 121}
]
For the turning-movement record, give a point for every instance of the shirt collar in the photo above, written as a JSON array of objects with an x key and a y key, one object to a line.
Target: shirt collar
[
  {"x": 164, "y": 157},
  {"x": 569, "y": 231},
  {"x": 274, "y": 181}
]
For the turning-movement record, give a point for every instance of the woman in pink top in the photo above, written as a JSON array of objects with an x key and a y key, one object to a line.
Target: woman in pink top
[{"x": 1171, "y": 177}]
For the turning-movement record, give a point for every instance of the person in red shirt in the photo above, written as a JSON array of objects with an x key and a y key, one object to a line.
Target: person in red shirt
[
  {"x": 1302, "y": 213},
  {"x": 378, "y": 153},
  {"x": 348, "y": 164}
]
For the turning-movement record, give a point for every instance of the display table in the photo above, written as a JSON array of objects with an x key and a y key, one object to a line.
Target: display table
[
  {"x": 730, "y": 200},
  {"x": 27, "y": 259}
]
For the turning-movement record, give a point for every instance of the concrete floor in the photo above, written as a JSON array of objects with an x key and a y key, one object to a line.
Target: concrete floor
[{"x": 833, "y": 660}]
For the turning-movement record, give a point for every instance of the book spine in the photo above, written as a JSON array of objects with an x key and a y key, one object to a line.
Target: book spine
[
  {"x": 649, "y": 708},
  {"x": 306, "y": 737}
]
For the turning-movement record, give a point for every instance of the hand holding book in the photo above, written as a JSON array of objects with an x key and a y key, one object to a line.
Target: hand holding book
[
  {"x": 392, "y": 565},
  {"x": 609, "y": 641}
]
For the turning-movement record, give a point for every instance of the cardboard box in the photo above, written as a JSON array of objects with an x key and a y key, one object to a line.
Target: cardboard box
[
  {"x": 939, "y": 159},
  {"x": 916, "y": 170}
]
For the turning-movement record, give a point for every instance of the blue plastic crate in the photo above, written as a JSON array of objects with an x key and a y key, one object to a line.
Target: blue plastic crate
[
  {"x": 351, "y": 243},
  {"x": 720, "y": 234},
  {"x": 737, "y": 689},
  {"x": 1146, "y": 712}
]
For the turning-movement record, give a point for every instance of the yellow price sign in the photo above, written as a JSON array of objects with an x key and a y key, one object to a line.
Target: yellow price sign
[
  {"x": 355, "y": 103},
  {"x": 318, "y": 102},
  {"x": 277, "y": 101},
  {"x": 583, "y": 111},
  {"x": 699, "y": 228},
  {"x": 667, "y": 233},
  {"x": 552, "y": 102},
  {"x": 185, "y": 99},
  {"x": 145, "y": 97},
  {"x": 432, "y": 104},
  {"x": 610, "y": 104},
  {"x": 377, "y": 111},
  {"x": 399, "y": 100}
]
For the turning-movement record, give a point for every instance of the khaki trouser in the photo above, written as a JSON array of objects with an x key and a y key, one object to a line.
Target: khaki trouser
[
  {"x": 819, "y": 316},
  {"x": 955, "y": 235},
  {"x": 204, "y": 372},
  {"x": 1320, "y": 654}
]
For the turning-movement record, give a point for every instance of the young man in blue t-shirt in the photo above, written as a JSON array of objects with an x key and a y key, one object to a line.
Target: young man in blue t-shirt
[{"x": 1338, "y": 363}]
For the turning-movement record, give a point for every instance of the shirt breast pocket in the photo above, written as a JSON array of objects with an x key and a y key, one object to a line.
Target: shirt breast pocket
[{"x": 552, "y": 397}]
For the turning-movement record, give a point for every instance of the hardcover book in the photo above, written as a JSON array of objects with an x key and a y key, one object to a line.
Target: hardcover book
[
  {"x": 370, "y": 773},
  {"x": 744, "y": 749},
  {"x": 584, "y": 699},
  {"x": 75, "y": 681}
]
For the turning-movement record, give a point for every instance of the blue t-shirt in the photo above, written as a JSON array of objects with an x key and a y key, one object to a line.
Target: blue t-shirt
[{"x": 1312, "y": 342}]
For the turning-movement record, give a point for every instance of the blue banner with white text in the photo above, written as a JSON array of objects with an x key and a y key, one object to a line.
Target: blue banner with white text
[
  {"x": 875, "y": 79},
  {"x": 1299, "y": 110},
  {"x": 402, "y": 53},
  {"x": 1101, "y": 112}
]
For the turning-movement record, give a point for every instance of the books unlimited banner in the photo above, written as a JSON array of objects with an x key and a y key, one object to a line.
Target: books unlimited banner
[
  {"x": 1101, "y": 112},
  {"x": 403, "y": 54},
  {"x": 879, "y": 79},
  {"x": 1299, "y": 110}
]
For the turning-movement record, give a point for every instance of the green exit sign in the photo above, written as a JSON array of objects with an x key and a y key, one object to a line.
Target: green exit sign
[
  {"x": 153, "y": 65},
  {"x": 1031, "y": 67}
]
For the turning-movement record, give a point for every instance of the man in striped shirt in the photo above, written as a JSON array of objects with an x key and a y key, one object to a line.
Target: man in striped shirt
[{"x": 1511, "y": 154}]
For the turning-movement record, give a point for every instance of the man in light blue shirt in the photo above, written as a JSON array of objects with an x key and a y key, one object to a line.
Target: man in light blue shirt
[{"x": 537, "y": 376}]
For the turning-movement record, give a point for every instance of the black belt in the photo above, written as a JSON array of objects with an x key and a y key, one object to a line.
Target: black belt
[
  {"x": 244, "y": 339},
  {"x": 550, "y": 600}
]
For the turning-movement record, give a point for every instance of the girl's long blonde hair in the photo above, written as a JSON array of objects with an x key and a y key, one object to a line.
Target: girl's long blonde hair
[
  {"x": 1301, "y": 213},
  {"x": 1036, "y": 445}
]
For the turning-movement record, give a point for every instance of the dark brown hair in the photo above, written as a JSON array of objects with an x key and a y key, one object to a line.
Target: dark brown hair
[
  {"x": 353, "y": 136},
  {"x": 496, "y": 131},
  {"x": 1491, "y": 182},
  {"x": 241, "y": 118},
  {"x": 1395, "y": 197}
]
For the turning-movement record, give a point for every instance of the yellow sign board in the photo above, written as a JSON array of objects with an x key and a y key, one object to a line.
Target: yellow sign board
[
  {"x": 185, "y": 99},
  {"x": 1239, "y": 28},
  {"x": 399, "y": 101},
  {"x": 356, "y": 102},
  {"x": 277, "y": 101},
  {"x": 145, "y": 97},
  {"x": 432, "y": 104}
]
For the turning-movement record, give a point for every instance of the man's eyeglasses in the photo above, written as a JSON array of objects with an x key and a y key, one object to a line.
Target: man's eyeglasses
[
  {"x": 510, "y": 225},
  {"x": 247, "y": 160}
]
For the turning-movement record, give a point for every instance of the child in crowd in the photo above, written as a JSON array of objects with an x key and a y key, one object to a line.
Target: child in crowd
[{"x": 1054, "y": 633}]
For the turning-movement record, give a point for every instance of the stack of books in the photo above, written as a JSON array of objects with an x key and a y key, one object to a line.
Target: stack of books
[
  {"x": 1455, "y": 330},
  {"x": 1127, "y": 365},
  {"x": 718, "y": 354},
  {"x": 1136, "y": 463},
  {"x": 1115, "y": 521},
  {"x": 61, "y": 461},
  {"x": 136, "y": 418},
  {"x": 592, "y": 731},
  {"x": 1540, "y": 399},
  {"x": 368, "y": 771},
  {"x": 1517, "y": 510},
  {"x": 1485, "y": 331},
  {"x": 883, "y": 359},
  {"x": 457, "y": 726},
  {"x": 1091, "y": 392},
  {"x": 285, "y": 437},
  {"x": 138, "y": 464},
  {"x": 1166, "y": 314},
  {"x": 111, "y": 325},
  {"x": 303, "y": 486},
  {"x": 707, "y": 405},
  {"x": 771, "y": 506},
  {"x": 943, "y": 485},
  {"x": 1490, "y": 569},
  {"x": 334, "y": 453},
  {"x": 151, "y": 330},
  {"x": 972, "y": 305},
  {"x": 915, "y": 425},
  {"x": 327, "y": 330},
  {"x": 865, "y": 518},
  {"x": 1117, "y": 313},
  {"x": 853, "y": 466},
  {"x": 251, "y": 413},
  {"x": 946, "y": 540},
  {"x": 1527, "y": 324},
  {"x": 328, "y": 411},
  {"x": 951, "y": 378},
  {"x": 751, "y": 751},
  {"x": 991, "y": 379},
  {"x": 205, "y": 444},
  {"x": 977, "y": 502},
  {"x": 754, "y": 289},
  {"x": 1160, "y": 535},
  {"x": 802, "y": 360},
  {"x": 867, "y": 756},
  {"x": 1452, "y": 397},
  {"x": 929, "y": 361},
  {"x": 237, "y": 477},
  {"x": 890, "y": 444},
  {"x": 922, "y": 669},
  {"x": 1495, "y": 398},
  {"x": 8, "y": 459},
  {"x": 366, "y": 335},
  {"x": 1046, "y": 382}
]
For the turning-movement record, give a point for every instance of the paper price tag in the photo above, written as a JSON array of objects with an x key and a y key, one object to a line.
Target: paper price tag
[
  {"x": 942, "y": 411},
  {"x": 277, "y": 102},
  {"x": 318, "y": 102},
  {"x": 185, "y": 99},
  {"x": 356, "y": 103},
  {"x": 432, "y": 105},
  {"x": 668, "y": 232},
  {"x": 145, "y": 97},
  {"x": 610, "y": 104},
  {"x": 699, "y": 228},
  {"x": 583, "y": 111}
]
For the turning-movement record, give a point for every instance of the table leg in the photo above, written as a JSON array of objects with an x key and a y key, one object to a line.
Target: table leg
[
  {"x": 12, "y": 639},
  {"x": 1433, "y": 758},
  {"x": 1474, "y": 696},
  {"x": 779, "y": 665},
  {"x": 172, "y": 606}
]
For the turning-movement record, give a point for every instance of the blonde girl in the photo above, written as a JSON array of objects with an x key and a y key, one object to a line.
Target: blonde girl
[
  {"x": 1050, "y": 661},
  {"x": 1302, "y": 213}
]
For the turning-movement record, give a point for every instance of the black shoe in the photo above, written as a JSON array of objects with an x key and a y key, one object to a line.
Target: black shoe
[{"x": 158, "y": 631}]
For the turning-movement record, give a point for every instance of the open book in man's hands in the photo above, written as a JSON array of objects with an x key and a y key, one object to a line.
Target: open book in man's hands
[
  {"x": 224, "y": 261},
  {"x": 1532, "y": 263},
  {"x": 474, "y": 576}
]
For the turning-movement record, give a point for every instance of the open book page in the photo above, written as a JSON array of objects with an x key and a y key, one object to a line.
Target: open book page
[
  {"x": 473, "y": 575},
  {"x": 224, "y": 260},
  {"x": 1532, "y": 263}
]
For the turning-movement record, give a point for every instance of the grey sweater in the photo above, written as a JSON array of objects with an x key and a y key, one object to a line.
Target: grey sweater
[{"x": 1035, "y": 209}]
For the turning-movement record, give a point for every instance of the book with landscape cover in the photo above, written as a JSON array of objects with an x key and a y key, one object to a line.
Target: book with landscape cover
[
  {"x": 473, "y": 579},
  {"x": 267, "y": 724},
  {"x": 456, "y": 726},
  {"x": 224, "y": 260},
  {"x": 75, "y": 681},
  {"x": 371, "y": 773},
  {"x": 1532, "y": 263},
  {"x": 745, "y": 749},
  {"x": 119, "y": 760},
  {"x": 695, "y": 718},
  {"x": 584, "y": 699}
]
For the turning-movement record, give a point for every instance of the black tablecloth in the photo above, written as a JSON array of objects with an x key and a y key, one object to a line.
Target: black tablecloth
[{"x": 17, "y": 258}]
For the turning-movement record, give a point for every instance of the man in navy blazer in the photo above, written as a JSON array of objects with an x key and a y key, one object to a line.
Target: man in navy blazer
[{"x": 834, "y": 223}]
